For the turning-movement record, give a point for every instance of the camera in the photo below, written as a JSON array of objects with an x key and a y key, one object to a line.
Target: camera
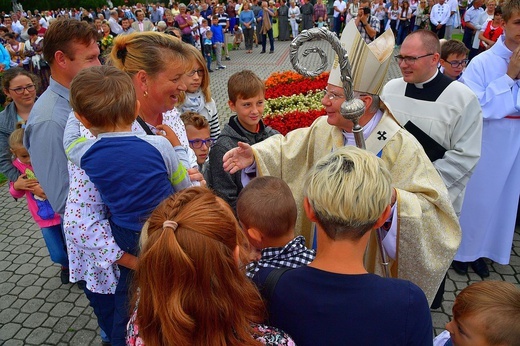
[{"x": 366, "y": 10}]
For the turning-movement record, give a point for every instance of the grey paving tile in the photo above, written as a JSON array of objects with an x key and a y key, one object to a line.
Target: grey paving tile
[
  {"x": 57, "y": 295},
  {"x": 64, "y": 324},
  {"x": 38, "y": 336},
  {"x": 20, "y": 317},
  {"x": 13, "y": 342},
  {"x": 8, "y": 330},
  {"x": 22, "y": 248},
  {"x": 54, "y": 338},
  {"x": 439, "y": 319},
  {"x": 61, "y": 309},
  {"x": 24, "y": 332},
  {"x": 49, "y": 321},
  {"x": 84, "y": 337},
  {"x": 8, "y": 315},
  {"x": 36, "y": 319},
  {"x": 18, "y": 303},
  {"x": 81, "y": 322},
  {"x": 32, "y": 305},
  {"x": 27, "y": 280},
  {"x": 6, "y": 301}
]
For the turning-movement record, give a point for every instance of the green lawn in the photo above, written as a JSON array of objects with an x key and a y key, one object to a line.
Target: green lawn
[
  {"x": 457, "y": 37},
  {"x": 3, "y": 179}
]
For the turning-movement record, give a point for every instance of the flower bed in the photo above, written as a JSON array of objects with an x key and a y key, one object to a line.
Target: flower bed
[{"x": 293, "y": 101}]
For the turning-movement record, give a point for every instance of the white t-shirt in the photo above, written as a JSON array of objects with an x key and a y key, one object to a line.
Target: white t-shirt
[{"x": 340, "y": 5}]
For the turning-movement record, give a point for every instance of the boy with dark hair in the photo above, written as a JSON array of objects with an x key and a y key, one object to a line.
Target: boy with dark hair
[
  {"x": 267, "y": 213},
  {"x": 454, "y": 58},
  {"x": 217, "y": 40},
  {"x": 246, "y": 93}
]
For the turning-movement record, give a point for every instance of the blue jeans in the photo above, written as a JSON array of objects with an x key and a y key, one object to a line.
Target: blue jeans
[
  {"x": 271, "y": 40},
  {"x": 128, "y": 241},
  {"x": 103, "y": 306},
  {"x": 401, "y": 33},
  {"x": 55, "y": 242}
]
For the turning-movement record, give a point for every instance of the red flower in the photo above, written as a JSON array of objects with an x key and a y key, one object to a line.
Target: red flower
[
  {"x": 290, "y": 83},
  {"x": 293, "y": 120},
  {"x": 297, "y": 87}
]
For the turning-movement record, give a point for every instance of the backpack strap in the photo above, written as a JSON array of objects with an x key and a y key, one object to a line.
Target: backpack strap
[{"x": 271, "y": 281}]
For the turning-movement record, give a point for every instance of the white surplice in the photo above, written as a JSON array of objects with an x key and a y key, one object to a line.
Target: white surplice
[{"x": 489, "y": 210}]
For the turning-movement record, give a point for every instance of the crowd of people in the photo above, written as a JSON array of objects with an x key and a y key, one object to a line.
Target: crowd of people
[
  {"x": 251, "y": 23},
  {"x": 196, "y": 234}
]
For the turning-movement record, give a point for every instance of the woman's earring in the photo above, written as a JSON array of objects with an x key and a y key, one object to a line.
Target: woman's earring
[{"x": 145, "y": 93}]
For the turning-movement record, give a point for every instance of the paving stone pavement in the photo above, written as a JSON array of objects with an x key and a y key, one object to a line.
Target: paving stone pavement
[{"x": 35, "y": 309}]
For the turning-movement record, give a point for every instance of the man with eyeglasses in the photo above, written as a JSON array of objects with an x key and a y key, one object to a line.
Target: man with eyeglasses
[
  {"x": 444, "y": 115},
  {"x": 423, "y": 233},
  {"x": 489, "y": 212}
]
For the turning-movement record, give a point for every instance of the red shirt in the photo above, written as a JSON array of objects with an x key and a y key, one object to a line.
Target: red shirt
[
  {"x": 492, "y": 33},
  {"x": 41, "y": 31}
]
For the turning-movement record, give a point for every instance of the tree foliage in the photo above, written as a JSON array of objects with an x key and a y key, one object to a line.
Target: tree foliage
[{"x": 41, "y": 5}]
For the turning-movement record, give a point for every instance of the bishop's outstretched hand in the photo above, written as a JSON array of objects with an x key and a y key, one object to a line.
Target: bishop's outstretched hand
[{"x": 238, "y": 158}]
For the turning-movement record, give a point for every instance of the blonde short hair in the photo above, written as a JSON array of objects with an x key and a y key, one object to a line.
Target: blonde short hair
[
  {"x": 348, "y": 190},
  {"x": 15, "y": 140}
]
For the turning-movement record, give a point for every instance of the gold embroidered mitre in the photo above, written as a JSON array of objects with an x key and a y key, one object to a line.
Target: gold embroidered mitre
[{"x": 369, "y": 62}]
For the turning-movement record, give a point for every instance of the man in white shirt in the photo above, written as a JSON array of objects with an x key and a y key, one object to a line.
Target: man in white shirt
[
  {"x": 16, "y": 25},
  {"x": 473, "y": 25},
  {"x": 439, "y": 16},
  {"x": 453, "y": 21},
  {"x": 113, "y": 22}
]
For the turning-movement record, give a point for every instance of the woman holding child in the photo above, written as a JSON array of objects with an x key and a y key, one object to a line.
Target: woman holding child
[{"x": 156, "y": 64}]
